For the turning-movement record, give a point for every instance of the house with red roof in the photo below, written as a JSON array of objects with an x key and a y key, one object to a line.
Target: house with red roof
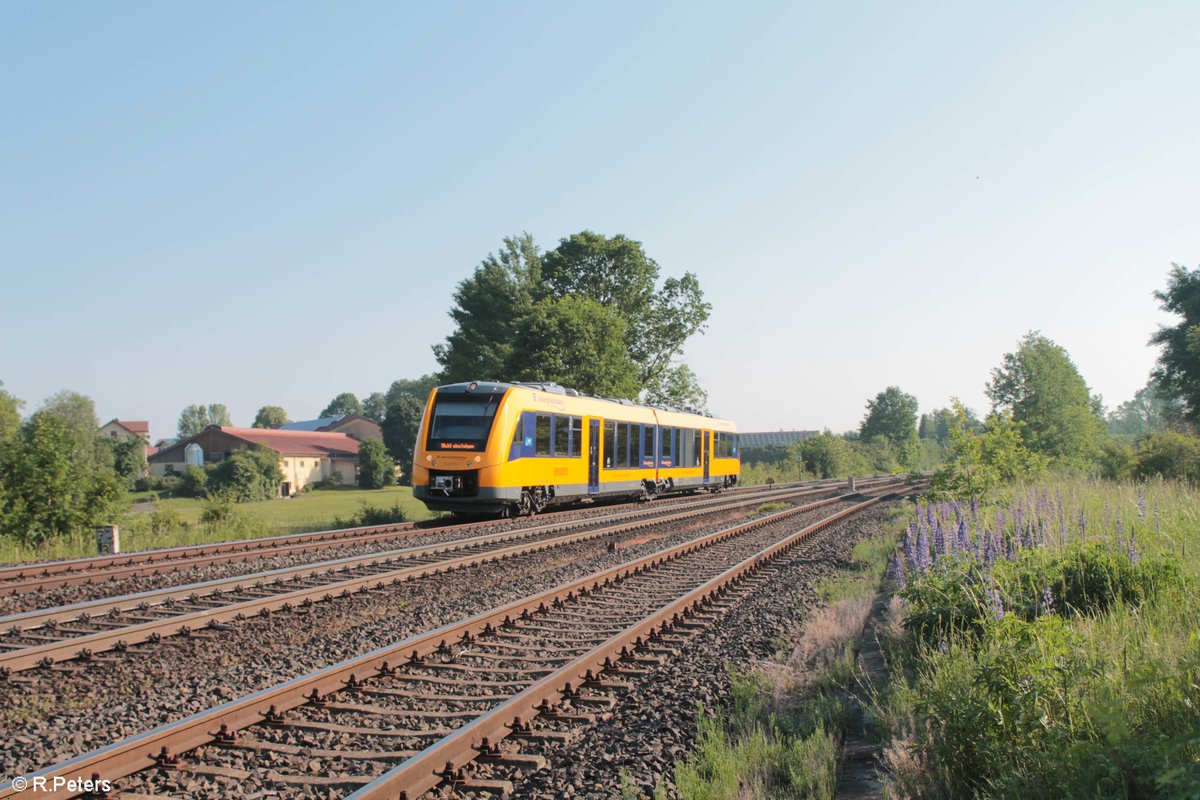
[
  {"x": 126, "y": 428},
  {"x": 304, "y": 456}
]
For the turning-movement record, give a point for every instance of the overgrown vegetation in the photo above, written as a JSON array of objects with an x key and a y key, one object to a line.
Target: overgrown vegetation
[
  {"x": 1051, "y": 646},
  {"x": 780, "y": 736}
]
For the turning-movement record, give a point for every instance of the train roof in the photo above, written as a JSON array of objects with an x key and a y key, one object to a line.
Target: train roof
[{"x": 670, "y": 415}]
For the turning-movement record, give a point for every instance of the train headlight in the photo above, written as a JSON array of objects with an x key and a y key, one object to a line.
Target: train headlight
[
  {"x": 477, "y": 459},
  {"x": 429, "y": 458}
]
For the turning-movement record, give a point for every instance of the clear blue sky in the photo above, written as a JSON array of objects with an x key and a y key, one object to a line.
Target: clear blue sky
[{"x": 272, "y": 202}]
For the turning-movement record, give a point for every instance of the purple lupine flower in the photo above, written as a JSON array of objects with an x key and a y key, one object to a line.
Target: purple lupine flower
[
  {"x": 989, "y": 553},
  {"x": 909, "y": 553},
  {"x": 963, "y": 543},
  {"x": 898, "y": 571},
  {"x": 1134, "y": 557},
  {"x": 939, "y": 541},
  {"x": 996, "y": 603},
  {"x": 1047, "y": 601},
  {"x": 923, "y": 561},
  {"x": 1120, "y": 527},
  {"x": 975, "y": 508},
  {"x": 1142, "y": 503}
]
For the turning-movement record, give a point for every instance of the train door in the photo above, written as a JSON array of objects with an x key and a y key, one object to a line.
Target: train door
[
  {"x": 707, "y": 452},
  {"x": 593, "y": 456}
]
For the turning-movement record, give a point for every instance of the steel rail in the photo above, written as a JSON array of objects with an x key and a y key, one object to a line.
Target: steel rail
[
  {"x": 146, "y": 750},
  {"x": 76, "y": 612},
  {"x": 88, "y": 645},
  {"x": 25, "y": 578},
  {"x": 445, "y": 758}
]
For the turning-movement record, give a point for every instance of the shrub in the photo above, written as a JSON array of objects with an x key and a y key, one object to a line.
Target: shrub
[
  {"x": 194, "y": 482},
  {"x": 222, "y": 513},
  {"x": 373, "y": 515},
  {"x": 247, "y": 476},
  {"x": 1169, "y": 455}
]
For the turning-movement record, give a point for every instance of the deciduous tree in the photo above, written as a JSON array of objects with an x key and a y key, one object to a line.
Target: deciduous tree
[
  {"x": 78, "y": 414},
  {"x": 376, "y": 469},
  {"x": 1043, "y": 390},
  {"x": 270, "y": 417},
  {"x": 10, "y": 415},
  {"x": 578, "y": 342},
  {"x": 400, "y": 427},
  {"x": 1178, "y": 369},
  {"x": 520, "y": 289},
  {"x": 196, "y": 418},
  {"x": 1151, "y": 410},
  {"x": 978, "y": 462},
  {"x": 418, "y": 388},
  {"x": 345, "y": 404},
  {"x": 679, "y": 386},
  {"x": 375, "y": 406},
  {"x": 47, "y": 491},
  {"x": 488, "y": 308},
  {"x": 892, "y": 415}
]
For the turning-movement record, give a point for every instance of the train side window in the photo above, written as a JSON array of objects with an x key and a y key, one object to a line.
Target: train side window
[
  {"x": 518, "y": 432},
  {"x": 685, "y": 448},
  {"x": 697, "y": 446},
  {"x": 542, "y": 436},
  {"x": 647, "y": 445},
  {"x": 668, "y": 447},
  {"x": 610, "y": 443},
  {"x": 576, "y": 446},
  {"x": 562, "y": 434}
]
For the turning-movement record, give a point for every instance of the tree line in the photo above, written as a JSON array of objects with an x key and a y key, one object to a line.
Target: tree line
[{"x": 1043, "y": 416}]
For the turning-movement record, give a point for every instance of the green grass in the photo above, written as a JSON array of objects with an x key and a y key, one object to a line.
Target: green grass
[
  {"x": 176, "y": 521},
  {"x": 311, "y": 510}
]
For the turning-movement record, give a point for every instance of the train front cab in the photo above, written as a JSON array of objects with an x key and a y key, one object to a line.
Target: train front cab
[{"x": 457, "y": 463}]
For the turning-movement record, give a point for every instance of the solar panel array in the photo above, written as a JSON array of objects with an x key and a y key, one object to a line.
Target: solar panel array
[{"x": 772, "y": 438}]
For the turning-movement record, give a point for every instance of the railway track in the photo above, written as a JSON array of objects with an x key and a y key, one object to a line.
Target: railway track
[
  {"x": 41, "y": 576},
  {"x": 86, "y": 630},
  {"x": 459, "y": 705}
]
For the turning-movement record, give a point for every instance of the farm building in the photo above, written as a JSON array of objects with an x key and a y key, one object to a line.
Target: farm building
[
  {"x": 304, "y": 456},
  {"x": 350, "y": 424},
  {"x": 125, "y": 429}
]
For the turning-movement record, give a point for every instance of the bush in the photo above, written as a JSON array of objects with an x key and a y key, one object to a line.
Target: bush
[
  {"x": 1169, "y": 455},
  {"x": 222, "y": 513},
  {"x": 373, "y": 515},
  {"x": 247, "y": 476},
  {"x": 194, "y": 482}
]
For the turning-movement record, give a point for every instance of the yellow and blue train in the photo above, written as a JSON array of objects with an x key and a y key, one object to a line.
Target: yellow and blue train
[{"x": 516, "y": 448}]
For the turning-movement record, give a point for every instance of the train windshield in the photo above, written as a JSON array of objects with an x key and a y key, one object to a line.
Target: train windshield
[{"x": 462, "y": 422}]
